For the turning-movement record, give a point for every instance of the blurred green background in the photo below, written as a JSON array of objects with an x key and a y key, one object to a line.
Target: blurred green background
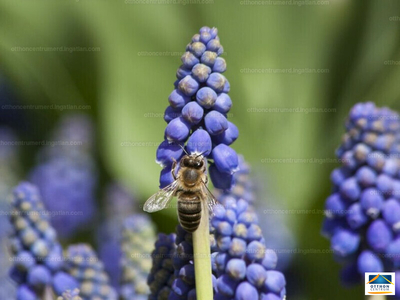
[{"x": 126, "y": 80}]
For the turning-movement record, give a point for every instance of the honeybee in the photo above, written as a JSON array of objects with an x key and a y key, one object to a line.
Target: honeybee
[{"x": 190, "y": 187}]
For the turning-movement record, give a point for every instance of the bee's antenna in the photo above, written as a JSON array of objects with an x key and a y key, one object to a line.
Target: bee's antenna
[{"x": 183, "y": 148}]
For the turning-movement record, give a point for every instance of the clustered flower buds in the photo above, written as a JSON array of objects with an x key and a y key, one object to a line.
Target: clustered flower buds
[
  {"x": 198, "y": 110},
  {"x": 138, "y": 237},
  {"x": 244, "y": 267},
  {"x": 82, "y": 264},
  {"x": 161, "y": 276},
  {"x": 37, "y": 255},
  {"x": 363, "y": 211},
  {"x": 66, "y": 172}
]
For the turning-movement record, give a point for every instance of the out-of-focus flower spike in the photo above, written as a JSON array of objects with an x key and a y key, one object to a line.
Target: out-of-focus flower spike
[
  {"x": 161, "y": 275},
  {"x": 38, "y": 259},
  {"x": 138, "y": 237},
  {"x": 84, "y": 266},
  {"x": 66, "y": 172},
  {"x": 362, "y": 214}
]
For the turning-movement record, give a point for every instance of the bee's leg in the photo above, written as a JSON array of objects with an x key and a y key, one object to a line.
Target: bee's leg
[{"x": 174, "y": 163}]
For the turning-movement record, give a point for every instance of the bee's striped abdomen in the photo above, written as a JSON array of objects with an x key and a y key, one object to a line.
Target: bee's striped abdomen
[{"x": 189, "y": 210}]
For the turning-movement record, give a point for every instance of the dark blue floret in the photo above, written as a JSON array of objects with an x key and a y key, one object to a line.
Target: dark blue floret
[
  {"x": 200, "y": 104},
  {"x": 364, "y": 231}
]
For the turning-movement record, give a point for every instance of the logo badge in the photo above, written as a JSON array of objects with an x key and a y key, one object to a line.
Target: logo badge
[{"x": 382, "y": 283}]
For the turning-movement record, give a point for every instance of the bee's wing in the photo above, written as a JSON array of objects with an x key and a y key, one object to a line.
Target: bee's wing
[
  {"x": 161, "y": 199},
  {"x": 211, "y": 201}
]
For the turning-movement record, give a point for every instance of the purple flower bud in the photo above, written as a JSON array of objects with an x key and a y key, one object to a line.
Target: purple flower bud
[
  {"x": 226, "y": 285},
  {"x": 217, "y": 81},
  {"x": 166, "y": 177},
  {"x": 240, "y": 231},
  {"x": 379, "y": 235},
  {"x": 376, "y": 160},
  {"x": 393, "y": 252},
  {"x": 228, "y": 136},
  {"x": 247, "y": 218},
  {"x": 366, "y": 176},
  {"x": 254, "y": 233},
  {"x": 182, "y": 72},
  {"x": 54, "y": 261},
  {"x": 206, "y": 97},
  {"x": 219, "y": 65},
  {"x": 345, "y": 242},
  {"x": 224, "y": 242},
  {"x": 369, "y": 262},
  {"x": 391, "y": 213},
  {"x": 205, "y": 37},
  {"x": 339, "y": 175},
  {"x": 189, "y": 60},
  {"x": 224, "y": 228},
  {"x": 361, "y": 152},
  {"x": 200, "y": 72},
  {"x": 350, "y": 189},
  {"x": 270, "y": 259},
  {"x": 187, "y": 274},
  {"x": 246, "y": 291},
  {"x": 255, "y": 251},
  {"x": 275, "y": 281},
  {"x": 208, "y": 58},
  {"x": 177, "y": 130},
  {"x": 221, "y": 260},
  {"x": 236, "y": 268},
  {"x": 197, "y": 48},
  {"x": 188, "y": 86},
  {"x": 25, "y": 293},
  {"x": 372, "y": 202},
  {"x": 168, "y": 152},
  {"x": 335, "y": 206},
  {"x": 225, "y": 159},
  {"x": 237, "y": 247},
  {"x": 24, "y": 260},
  {"x": 214, "y": 45},
  {"x": 256, "y": 275},
  {"x": 171, "y": 113},
  {"x": 39, "y": 276},
  {"x": 384, "y": 184},
  {"x": 391, "y": 167},
  {"x": 177, "y": 99},
  {"x": 196, "y": 38},
  {"x": 270, "y": 296},
  {"x": 223, "y": 103},
  {"x": 356, "y": 216},
  {"x": 199, "y": 142},
  {"x": 215, "y": 123}
]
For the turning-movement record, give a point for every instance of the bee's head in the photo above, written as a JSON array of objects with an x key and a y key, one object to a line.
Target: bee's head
[{"x": 192, "y": 161}]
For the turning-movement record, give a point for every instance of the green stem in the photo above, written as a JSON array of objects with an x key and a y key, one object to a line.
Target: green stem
[{"x": 202, "y": 257}]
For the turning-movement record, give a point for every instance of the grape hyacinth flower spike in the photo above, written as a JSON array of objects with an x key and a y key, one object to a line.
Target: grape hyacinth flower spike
[
  {"x": 363, "y": 212},
  {"x": 198, "y": 127},
  {"x": 243, "y": 268},
  {"x": 67, "y": 172},
  {"x": 38, "y": 258},
  {"x": 83, "y": 265},
  {"x": 198, "y": 110},
  {"x": 138, "y": 237}
]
